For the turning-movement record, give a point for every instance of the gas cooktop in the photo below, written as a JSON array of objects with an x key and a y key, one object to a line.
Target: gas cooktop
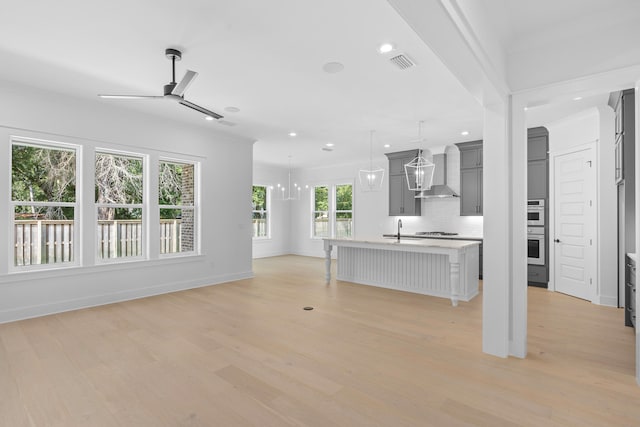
[{"x": 435, "y": 233}]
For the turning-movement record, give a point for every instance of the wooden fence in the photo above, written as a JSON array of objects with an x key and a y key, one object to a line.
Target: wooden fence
[
  {"x": 51, "y": 242},
  {"x": 43, "y": 242},
  {"x": 344, "y": 227}
]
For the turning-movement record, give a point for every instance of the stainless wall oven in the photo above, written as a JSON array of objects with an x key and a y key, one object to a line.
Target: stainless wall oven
[
  {"x": 535, "y": 245},
  {"x": 535, "y": 212}
]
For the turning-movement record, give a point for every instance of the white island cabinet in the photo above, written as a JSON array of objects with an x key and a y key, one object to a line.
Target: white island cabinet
[{"x": 441, "y": 268}]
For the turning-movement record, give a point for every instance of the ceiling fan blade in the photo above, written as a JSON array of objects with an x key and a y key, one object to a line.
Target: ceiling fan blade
[
  {"x": 129, "y": 96},
  {"x": 200, "y": 109},
  {"x": 184, "y": 83}
]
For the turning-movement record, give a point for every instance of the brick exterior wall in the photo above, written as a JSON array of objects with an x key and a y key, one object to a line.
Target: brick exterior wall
[{"x": 187, "y": 228}]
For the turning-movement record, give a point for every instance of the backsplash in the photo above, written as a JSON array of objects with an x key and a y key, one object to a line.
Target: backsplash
[
  {"x": 443, "y": 214},
  {"x": 439, "y": 215}
]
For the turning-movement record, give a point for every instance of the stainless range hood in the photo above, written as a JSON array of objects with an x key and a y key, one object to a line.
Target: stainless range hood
[{"x": 439, "y": 187}]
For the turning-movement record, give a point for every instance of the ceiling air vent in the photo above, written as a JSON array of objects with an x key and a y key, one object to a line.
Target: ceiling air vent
[{"x": 402, "y": 61}]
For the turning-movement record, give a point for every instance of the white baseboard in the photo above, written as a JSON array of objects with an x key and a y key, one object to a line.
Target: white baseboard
[
  {"x": 27, "y": 312},
  {"x": 606, "y": 300}
]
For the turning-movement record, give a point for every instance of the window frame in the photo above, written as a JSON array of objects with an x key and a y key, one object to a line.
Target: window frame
[
  {"x": 335, "y": 211},
  {"x": 332, "y": 210},
  {"x": 77, "y": 240},
  {"x": 195, "y": 208},
  {"x": 314, "y": 211},
  {"x": 266, "y": 212},
  {"x": 144, "y": 208}
]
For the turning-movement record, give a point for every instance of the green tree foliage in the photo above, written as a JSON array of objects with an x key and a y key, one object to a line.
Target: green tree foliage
[
  {"x": 44, "y": 174},
  {"x": 321, "y": 199},
  {"x": 259, "y": 198},
  {"x": 118, "y": 181},
  {"x": 40, "y": 174},
  {"x": 344, "y": 200}
]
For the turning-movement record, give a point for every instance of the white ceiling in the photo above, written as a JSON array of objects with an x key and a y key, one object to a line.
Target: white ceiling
[{"x": 265, "y": 58}]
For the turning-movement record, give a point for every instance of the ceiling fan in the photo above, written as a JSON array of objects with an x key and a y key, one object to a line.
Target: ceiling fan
[{"x": 174, "y": 90}]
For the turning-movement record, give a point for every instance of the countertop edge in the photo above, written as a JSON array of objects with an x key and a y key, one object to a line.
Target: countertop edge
[{"x": 413, "y": 236}]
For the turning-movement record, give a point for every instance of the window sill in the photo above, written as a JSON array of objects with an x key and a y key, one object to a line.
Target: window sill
[{"x": 261, "y": 239}]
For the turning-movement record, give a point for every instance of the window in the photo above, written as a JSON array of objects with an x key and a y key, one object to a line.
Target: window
[
  {"x": 320, "y": 212},
  {"x": 119, "y": 205},
  {"x": 260, "y": 212},
  {"x": 177, "y": 200},
  {"x": 44, "y": 200},
  {"x": 344, "y": 211}
]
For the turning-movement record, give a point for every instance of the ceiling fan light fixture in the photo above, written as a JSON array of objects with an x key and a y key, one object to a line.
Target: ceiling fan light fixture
[{"x": 173, "y": 90}]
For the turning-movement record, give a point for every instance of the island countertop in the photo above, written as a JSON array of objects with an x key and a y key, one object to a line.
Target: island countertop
[
  {"x": 442, "y": 237},
  {"x": 405, "y": 244}
]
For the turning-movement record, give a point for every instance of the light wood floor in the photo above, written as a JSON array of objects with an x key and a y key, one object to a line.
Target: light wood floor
[{"x": 246, "y": 353}]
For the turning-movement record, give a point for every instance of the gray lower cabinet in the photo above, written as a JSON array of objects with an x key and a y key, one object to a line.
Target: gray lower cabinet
[
  {"x": 402, "y": 201},
  {"x": 537, "y": 275},
  {"x": 480, "y": 256},
  {"x": 630, "y": 293},
  {"x": 470, "y": 178}
]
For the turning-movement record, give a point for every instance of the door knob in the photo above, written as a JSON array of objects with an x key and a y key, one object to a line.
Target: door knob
[{"x": 557, "y": 240}]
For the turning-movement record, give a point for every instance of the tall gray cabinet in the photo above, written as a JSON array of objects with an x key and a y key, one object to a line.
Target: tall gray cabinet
[
  {"x": 538, "y": 189},
  {"x": 623, "y": 103},
  {"x": 402, "y": 201}
]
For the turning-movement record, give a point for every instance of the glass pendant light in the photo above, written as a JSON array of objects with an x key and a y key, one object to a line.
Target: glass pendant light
[
  {"x": 371, "y": 178},
  {"x": 419, "y": 172}
]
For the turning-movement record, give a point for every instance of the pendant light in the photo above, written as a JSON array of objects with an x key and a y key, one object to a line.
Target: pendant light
[
  {"x": 419, "y": 172},
  {"x": 289, "y": 192},
  {"x": 371, "y": 178}
]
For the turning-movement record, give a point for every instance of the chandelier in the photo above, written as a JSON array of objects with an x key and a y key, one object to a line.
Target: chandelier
[
  {"x": 372, "y": 177},
  {"x": 289, "y": 192},
  {"x": 419, "y": 172}
]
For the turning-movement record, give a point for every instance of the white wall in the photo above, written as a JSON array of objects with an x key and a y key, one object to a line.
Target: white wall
[
  {"x": 225, "y": 207},
  {"x": 371, "y": 209},
  {"x": 279, "y": 212},
  {"x": 588, "y": 126}
]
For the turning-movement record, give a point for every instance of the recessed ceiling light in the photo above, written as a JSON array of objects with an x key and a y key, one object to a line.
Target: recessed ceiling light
[
  {"x": 209, "y": 118},
  {"x": 232, "y": 109},
  {"x": 329, "y": 144},
  {"x": 387, "y": 145},
  {"x": 292, "y": 134},
  {"x": 332, "y": 67},
  {"x": 526, "y": 108},
  {"x": 464, "y": 133},
  {"x": 577, "y": 98},
  {"x": 386, "y": 48}
]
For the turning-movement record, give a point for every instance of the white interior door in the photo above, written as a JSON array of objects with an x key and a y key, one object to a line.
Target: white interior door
[{"x": 574, "y": 223}]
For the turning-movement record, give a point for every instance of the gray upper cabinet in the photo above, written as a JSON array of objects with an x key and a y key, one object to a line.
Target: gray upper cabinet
[
  {"x": 537, "y": 147},
  {"x": 537, "y": 179},
  {"x": 470, "y": 178},
  {"x": 402, "y": 201},
  {"x": 470, "y": 154},
  {"x": 537, "y": 166}
]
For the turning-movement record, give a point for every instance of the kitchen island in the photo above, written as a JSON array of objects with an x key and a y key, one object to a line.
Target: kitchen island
[{"x": 441, "y": 268}]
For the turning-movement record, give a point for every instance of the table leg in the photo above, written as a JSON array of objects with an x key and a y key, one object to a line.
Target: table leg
[
  {"x": 454, "y": 270},
  {"x": 327, "y": 263}
]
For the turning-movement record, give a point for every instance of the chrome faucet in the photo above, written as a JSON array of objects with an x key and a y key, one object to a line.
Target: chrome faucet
[{"x": 399, "y": 227}]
